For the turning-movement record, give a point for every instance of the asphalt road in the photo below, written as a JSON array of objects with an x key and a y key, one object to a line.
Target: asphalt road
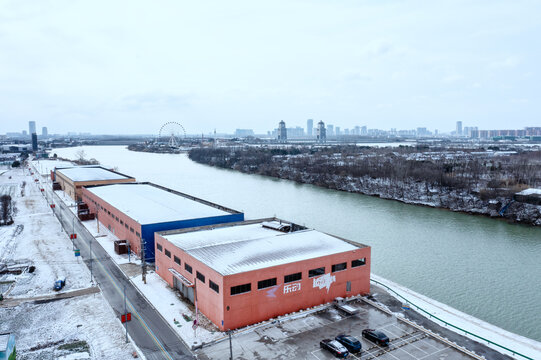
[{"x": 152, "y": 335}]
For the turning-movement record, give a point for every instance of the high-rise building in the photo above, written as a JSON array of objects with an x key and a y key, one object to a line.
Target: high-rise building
[
  {"x": 356, "y": 130},
  {"x": 32, "y": 127},
  {"x": 309, "y": 127},
  {"x": 24, "y": 133},
  {"x": 282, "y": 131},
  {"x": 337, "y": 130},
  {"x": 34, "y": 141},
  {"x": 321, "y": 132},
  {"x": 459, "y": 128},
  {"x": 330, "y": 130},
  {"x": 364, "y": 131},
  {"x": 44, "y": 131}
]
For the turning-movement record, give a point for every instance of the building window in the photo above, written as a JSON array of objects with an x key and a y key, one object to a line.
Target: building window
[
  {"x": 241, "y": 289},
  {"x": 358, "y": 262},
  {"x": 348, "y": 286},
  {"x": 108, "y": 212},
  {"x": 177, "y": 260},
  {"x": 339, "y": 267},
  {"x": 121, "y": 222},
  {"x": 316, "y": 272},
  {"x": 113, "y": 216},
  {"x": 266, "y": 283},
  {"x": 188, "y": 268},
  {"x": 116, "y": 218},
  {"x": 131, "y": 229},
  {"x": 126, "y": 225},
  {"x": 137, "y": 234},
  {"x": 292, "y": 277},
  {"x": 214, "y": 286},
  {"x": 159, "y": 247},
  {"x": 200, "y": 276},
  {"x": 168, "y": 253}
]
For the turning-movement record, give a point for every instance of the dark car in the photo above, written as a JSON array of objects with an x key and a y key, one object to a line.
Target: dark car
[
  {"x": 334, "y": 347},
  {"x": 352, "y": 344},
  {"x": 376, "y": 336}
]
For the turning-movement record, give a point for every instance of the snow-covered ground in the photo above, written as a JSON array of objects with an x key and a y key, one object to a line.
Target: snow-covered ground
[
  {"x": 37, "y": 239},
  {"x": 44, "y": 167},
  {"x": 467, "y": 322}
]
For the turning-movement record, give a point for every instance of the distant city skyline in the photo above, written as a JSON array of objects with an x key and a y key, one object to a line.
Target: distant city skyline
[{"x": 246, "y": 65}]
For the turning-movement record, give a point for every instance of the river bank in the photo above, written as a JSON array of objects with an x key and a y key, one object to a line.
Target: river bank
[{"x": 473, "y": 183}]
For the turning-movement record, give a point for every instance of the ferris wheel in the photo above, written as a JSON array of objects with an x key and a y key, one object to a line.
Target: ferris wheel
[{"x": 172, "y": 133}]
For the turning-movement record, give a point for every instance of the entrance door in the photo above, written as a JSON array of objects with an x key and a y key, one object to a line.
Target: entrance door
[{"x": 187, "y": 292}]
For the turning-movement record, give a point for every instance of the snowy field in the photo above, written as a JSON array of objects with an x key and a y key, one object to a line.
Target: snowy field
[{"x": 50, "y": 329}]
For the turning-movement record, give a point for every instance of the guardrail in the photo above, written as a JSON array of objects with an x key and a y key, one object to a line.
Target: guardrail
[{"x": 451, "y": 325}]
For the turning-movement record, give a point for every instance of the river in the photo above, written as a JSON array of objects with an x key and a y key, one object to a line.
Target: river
[{"x": 484, "y": 267}]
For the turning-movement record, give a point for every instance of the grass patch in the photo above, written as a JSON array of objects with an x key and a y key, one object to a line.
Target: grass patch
[{"x": 76, "y": 346}]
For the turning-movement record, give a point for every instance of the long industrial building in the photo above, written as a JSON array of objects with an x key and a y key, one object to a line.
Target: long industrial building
[
  {"x": 246, "y": 272},
  {"x": 73, "y": 179},
  {"x": 135, "y": 211}
]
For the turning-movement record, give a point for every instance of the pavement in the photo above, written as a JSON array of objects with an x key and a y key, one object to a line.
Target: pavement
[
  {"x": 10, "y": 302},
  {"x": 148, "y": 330},
  {"x": 299, "y": 338}
]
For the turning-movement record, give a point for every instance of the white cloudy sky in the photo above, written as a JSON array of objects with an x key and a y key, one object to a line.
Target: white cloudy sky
[{"x": 129, "y": 66}]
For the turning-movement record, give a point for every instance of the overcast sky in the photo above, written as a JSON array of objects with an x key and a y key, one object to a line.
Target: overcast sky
[{"x": 130, "y": 66}]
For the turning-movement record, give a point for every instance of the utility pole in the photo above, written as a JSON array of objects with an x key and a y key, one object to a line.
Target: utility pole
[
  {"x": 143, "y": 261},
  {"x": 97, "y": 218},
  {"x": 91, "y": 281},
  {"x": 230, "y": 346},
  {"x": 126, "y": 313}
]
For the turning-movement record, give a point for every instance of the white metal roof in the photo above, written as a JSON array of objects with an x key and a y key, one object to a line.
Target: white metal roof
[
  {"x": 90, "y": 174},
  {"x": 236, "y": 249},
  {"x": 148, "y": 204}
]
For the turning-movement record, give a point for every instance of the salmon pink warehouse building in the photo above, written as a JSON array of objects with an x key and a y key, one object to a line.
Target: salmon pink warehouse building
[
  {"x": 135, "y": 211},
  {"x": 246, "y": 272}
]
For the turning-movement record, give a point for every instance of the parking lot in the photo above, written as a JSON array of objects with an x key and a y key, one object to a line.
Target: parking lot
[{"x": 299, "y": 338}]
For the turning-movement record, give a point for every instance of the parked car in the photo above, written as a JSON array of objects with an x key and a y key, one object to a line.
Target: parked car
[
  {"x": 334, "y": 347},
  {"x": 351, "y": 343},
  {"x": 59, "y": 284},
  {"x": 376, "y": 336}
]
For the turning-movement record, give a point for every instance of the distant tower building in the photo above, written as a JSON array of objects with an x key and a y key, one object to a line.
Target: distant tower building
[
  {"x": 459, "y": 128},
  {"x": 337, "y": 130},
  {"x": 364, "y": 131},
  {"x": 24, "y": 133},
  {"x": 330, "y": 130},
  {"x": 34, "y": 142},
  {"x": 309, "y": 127},
  {"x": 32, "y": 127},
  {"x": 44, "y": 132},
  {"x": 282, "y": 131},
  {"x": 321, "y": 132}
]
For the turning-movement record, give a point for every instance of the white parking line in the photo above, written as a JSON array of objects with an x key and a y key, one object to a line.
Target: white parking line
[
  {"x": 435, "y": 352},
  {"x": 315, "y": 354}
]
